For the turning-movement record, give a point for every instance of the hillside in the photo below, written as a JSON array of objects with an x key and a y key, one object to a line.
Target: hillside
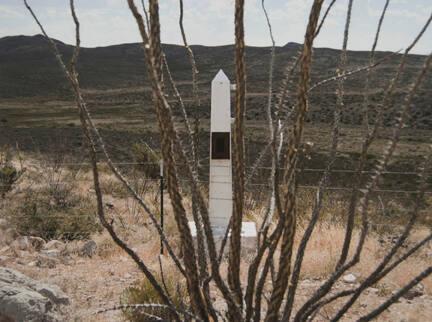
[{"x": 116, "y": 75}]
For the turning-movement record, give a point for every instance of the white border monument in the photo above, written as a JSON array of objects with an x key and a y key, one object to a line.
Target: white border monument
[{"x": 220, "y": 187}]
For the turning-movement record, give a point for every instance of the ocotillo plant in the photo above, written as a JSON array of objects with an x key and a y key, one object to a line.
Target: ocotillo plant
[{"x": 276, "y": 259}]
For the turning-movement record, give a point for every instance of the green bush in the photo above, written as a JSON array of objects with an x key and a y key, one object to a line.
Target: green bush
[
  {"x": 147, "y": 159},
  {"x": 54, "y": 212},
  {"x": 144, "y": 293}
]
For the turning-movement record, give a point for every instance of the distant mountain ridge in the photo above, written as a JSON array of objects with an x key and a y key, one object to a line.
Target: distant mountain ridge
[{"x": 28, "y": 69}]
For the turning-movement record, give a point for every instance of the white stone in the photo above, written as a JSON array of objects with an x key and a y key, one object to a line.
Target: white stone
[{"x": 349, "y": 278}]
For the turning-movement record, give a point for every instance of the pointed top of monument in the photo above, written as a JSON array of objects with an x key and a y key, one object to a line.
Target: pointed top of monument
[{"x": 221, "y": 77}]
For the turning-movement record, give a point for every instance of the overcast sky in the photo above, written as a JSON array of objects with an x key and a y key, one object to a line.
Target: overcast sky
[{"x": 210, "y": 22}]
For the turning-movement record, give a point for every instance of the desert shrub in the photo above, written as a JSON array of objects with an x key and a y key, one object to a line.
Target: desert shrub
[
  {"x": 9, "y": 174},
  {"x": 147, "y": 159},
  {"x": 143, "y": 293},
  {"x": 106, "y": 247},
  {"x": 113, "y": 187},
  {"x": 54, "y": 212}
]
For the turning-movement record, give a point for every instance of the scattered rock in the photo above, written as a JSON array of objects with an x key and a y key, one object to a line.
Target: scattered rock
[
  {"x": 127, "y": 276},
  {"x": 3, "y": 259},
  {"x": 420, "y": 287},
  {"x": 53, "y": 253},
  {"x": 4, "y": 249},
  {"x": 392, "y": 239},
  {"x": 89, "y": 248},
  {"x": 25, "y": 253},
  {"x": 53, "y": 292},
  {"x": 55, "y": 244},
  {"x": 24, "y": 299},
  {"x": 21, "y": 243},
  {"x": 362, "y": 304},
  {"x": 349, "y": 278},
  {"x": 373, "y": 290},
  {"x": 48, "y": 262},
  {"x": 36, "y": 242},
  {"x": 416, "y": 291},
  {"x": 306, "y": 281},
  {"x": 68, "y": 261}
]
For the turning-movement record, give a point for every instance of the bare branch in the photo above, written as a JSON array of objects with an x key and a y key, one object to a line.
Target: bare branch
[
  {"x": 353, "y": 72},
  {"x": 377, "y": 273},
  {"x": 342, "y": 63},
  {"x": 202, "y": 255},
  {"x": 288, "y": 216},
  {"x": 238, "y": 164},
  {"x": 324, "y": 18},
  {"x": 194, "y": 88},
  {"x": 371, "y": 61},
  {"x": 84, "y": 118},
  {"x": 77, "y": 39},
  {"x": 169, "y": 128},
  {"x": 397, "y": 295},
  {"x": 147, "y": 306},
  {"x": 147, "y": 20}
]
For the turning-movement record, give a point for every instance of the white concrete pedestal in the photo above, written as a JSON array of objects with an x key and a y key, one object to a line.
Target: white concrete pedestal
[{"x": 248, "y": 236}]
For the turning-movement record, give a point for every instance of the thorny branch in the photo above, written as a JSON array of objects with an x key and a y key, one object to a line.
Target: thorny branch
[
  {"x": 85, "y": 121},
  {"x": 282, "y": 204}
]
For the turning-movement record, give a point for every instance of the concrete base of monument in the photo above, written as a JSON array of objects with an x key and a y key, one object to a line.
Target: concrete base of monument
[{"x": 248, "y": 236}]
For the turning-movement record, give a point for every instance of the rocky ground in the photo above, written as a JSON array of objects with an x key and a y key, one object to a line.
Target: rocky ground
[
  {"x": 91, "y": 281},
  {"x": 90, "y": 275}
]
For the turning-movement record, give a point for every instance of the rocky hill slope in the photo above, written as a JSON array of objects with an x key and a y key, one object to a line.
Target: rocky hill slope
[{"x": 116, "y": 74}]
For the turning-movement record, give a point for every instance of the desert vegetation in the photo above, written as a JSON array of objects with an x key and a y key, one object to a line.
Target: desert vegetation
[
  {"x": 109, "y": 278},
  {"x": 342, "y": 232}
]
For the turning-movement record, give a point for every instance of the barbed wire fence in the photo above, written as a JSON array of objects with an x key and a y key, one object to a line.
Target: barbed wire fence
[
  {"x": 318, "y": 170},
  {"x": 259, "y": 183}
]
